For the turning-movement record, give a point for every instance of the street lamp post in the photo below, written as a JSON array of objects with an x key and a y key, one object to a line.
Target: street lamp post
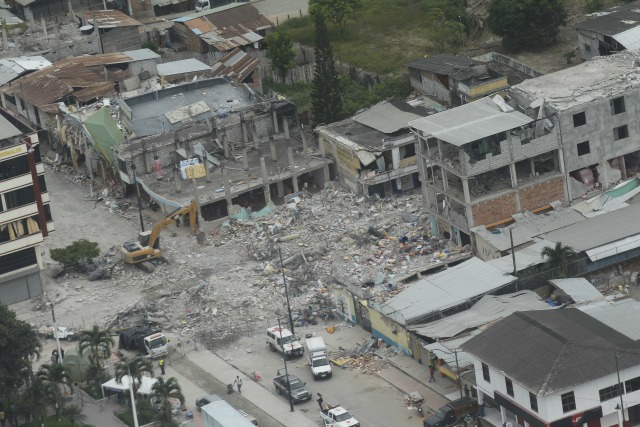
[
  {"x": 55, "y": 333},
  {"x": 286, "y": 372},
  {"x": 133, "y": 397},
  {"x": 620, "y": 390},
  {"x": 286, "y": 293}
]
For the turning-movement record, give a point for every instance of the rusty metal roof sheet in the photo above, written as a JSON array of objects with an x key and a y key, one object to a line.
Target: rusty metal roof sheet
[
  {"x": 54, "y": 83},
  {"x": 111, "y": 19},
  {"x": 100, "y": 59},
  {"x": 246, "y": 15},
  {"x": 200, "y": 25},
  {"x": 229, "y": 38},
  {"x": 237, "y": 65}
]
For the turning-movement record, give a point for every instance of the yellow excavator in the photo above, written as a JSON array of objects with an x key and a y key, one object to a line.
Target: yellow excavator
[{"x": 148, "y": 248}]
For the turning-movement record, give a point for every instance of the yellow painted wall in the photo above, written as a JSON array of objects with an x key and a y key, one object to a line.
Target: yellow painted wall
[
  {"x": 345, "y": 158},
  {"x": 383, "y": 328},
  {"x": 488, "y": 87}
]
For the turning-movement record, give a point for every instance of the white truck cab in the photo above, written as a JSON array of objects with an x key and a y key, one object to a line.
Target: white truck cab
[
  {"x": 317, "y": 358},
  {"x": 282, "y": 340},
  {"x": 337, "y": 416},
  {"x": 156, "y": 345},
  {"x": 203, "y": 5}
]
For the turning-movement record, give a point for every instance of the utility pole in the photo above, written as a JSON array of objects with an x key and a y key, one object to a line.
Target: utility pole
[
  {"x": 133, "y": 397},
  {"x": 286, "y": 372},
  {"x": 513, "y": 252},
  {"x": 57, "y": 336},
  {"x": 620, "y": 390},
  {"x": 286, "y": 293}
]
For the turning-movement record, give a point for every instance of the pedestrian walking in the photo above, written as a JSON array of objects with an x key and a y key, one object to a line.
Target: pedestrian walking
[
  {"x": 238, "y": 383},
  {"x": 432, "y": 370},
  {"x": 161, "y": 364},
  {"x": 466, "y": 390},
  {"x": 320, "y": 400}
]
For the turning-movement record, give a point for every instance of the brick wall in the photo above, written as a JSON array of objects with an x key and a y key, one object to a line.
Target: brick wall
[
  {"x": 494, "y": 210},
  {"x": 542, "y": 194}
]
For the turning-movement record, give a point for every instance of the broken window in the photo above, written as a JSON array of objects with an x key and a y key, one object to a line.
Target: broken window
[
  {"x": 617, "y": 106},
  {"x": 579, "y": 119},
  {"x": 14, "y": 167},
  {"x": 621, "y": 132},
  {"x": 20, "y": 197},
  {"x": 583, "y": 148},
  {"x": 19, "y": 228},
  {"x": 483, "y": 148}
]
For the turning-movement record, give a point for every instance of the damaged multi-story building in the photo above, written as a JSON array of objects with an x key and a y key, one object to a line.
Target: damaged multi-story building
[
  {"x": 596, "y": 105},
  {"x": 482, "y": 162},
  {"x": 253, "y": 150}
]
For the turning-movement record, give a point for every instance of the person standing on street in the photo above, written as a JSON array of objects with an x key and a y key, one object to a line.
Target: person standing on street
[
  {"x": 238, "y": 383},
  {"x": 320, "y": 400},
  {"x": 432, "y": 371},
  {"x": 161, "y": 364}
]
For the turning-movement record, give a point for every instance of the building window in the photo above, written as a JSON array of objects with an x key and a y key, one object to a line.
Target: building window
[
  {"x": 609, "y": 392},
  {"x": 621, "y": 132},
  {"x": 568, "y": 402},
  {"x": 587, "y": 48},
  {"x": 632, "y": 385},
  {"x": 617, "y": 106},
  {"x": 583, "y": 148},
  {"x": 533, "y": 401},
  {"x": 579, "y": 119},
  {"x": 485, "y": 373},
  {"x": 509, "y": 385}
]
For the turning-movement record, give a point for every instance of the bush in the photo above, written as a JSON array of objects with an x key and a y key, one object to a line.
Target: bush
[
  {"x": 593, "y": 5},
  {"x": 80, "y": 249}
]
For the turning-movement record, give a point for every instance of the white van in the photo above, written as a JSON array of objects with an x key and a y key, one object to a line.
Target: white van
[
  {"x": 282, "y": 340},
  {"x": 203, "y": 5},
  {"x": 317, "y": 357}
]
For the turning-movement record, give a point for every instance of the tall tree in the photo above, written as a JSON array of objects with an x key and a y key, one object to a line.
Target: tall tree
[
  {"x": 445, "y": 34},
  {"x": 558, "y": 256},
  {"x": 98, "y": 342},
  {"x": 164, "y": 392},
  {"x": 40, "y": 393},
  {"x": 137, "y": 367},
  {"x": 280, "y": 51},
  {"x": 19, "y": 345},
  {"x": 55, "y": 376},
  {"x": 338, "y": 12},
  {"x": 326, "y": 102},
  {"x": 527, "y": 23}
]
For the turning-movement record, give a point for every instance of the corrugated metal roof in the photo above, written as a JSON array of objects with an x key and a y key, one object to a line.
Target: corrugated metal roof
[
  {"x": 111, "y": 19},
  {"x": 99, "y": 59},
  {"x": 12, "y": 68},
  {"x": 184, "y": 66},
  {"x": 9, "y": 71},
  {"x": 614, "y": 248},
  {"x": 621, "y": 313},
  {"x": 448, "y": 353},
  {"x": 200, "y": 24},
  {"x": 599, "y": 230},
  {"x": 619, "y": 19},
  {"x": 548, "y": 351},
  {"x": 629, "y": 38},
  {"x": 578, "y": 289},
  {"x": 7, "y": 130},
  {"x": 141, "y": 54},
  {"x": 237, "y": 65},
  {"x": 386, "y": 117},
  {"x": 487, "y": 310},
  {"x": 469, "y": 122},
  {"x": 613, "y": 199},
  {"x": 9, "y": 18},
  {"x": 31, "y": 63},
  {"x": 443, "y": 290},
  {"x": 444, "y": 64},
  {"x": 525, "y": 257}
]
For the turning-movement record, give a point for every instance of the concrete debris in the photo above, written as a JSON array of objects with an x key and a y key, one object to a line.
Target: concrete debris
[{"x": 368, "y": 363}]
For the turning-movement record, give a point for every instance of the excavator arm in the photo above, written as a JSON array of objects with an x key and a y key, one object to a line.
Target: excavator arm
[{"x": 190, "y": 209}]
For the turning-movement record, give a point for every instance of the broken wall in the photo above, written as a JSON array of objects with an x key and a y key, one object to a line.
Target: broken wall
[
  {"x": 494, "y": 209},
  {"x": 541, "y": 194}
]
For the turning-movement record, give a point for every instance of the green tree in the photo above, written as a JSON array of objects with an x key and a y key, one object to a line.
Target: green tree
[
  {"x": 280, "y": 51},
  {"x": 19, "y": 345},
  {"x": 338, "y": 12},
  {"x": 326, "y": 102},
  {"x": 80, "y": 249},
  {"x": 527, "y": 23},
  {"x": 137, "y": 367},
  {"x": 558, "y": 257},
  {"x": 445, "y": 34},
  {"x": 40, "y": 393},
  {"x": 165, "y": 391},
  {"x": 73, "y": 413},
  {"x": 58, "y": 380},
  {"x": 98, "y": 342}
]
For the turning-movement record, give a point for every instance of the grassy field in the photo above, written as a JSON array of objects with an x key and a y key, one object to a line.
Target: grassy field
[{"x": 384, "y": 35}]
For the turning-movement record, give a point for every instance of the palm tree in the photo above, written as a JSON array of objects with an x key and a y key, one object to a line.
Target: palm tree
[
  {"x": 136, "y": 368},
  {"x": 164, "y": 391},
  {"x": 558, "y": 257},
  {"x": 74, "y": 413},
  {"x": 54, "y": 376},
  {"x": 41, "y": 393},
  {"x": 98, "y": 342}
]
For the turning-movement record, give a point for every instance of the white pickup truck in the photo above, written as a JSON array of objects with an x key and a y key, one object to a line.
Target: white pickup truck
[{"x": 337, "y": 416}]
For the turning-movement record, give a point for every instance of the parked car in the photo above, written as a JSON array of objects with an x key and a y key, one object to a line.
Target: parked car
[
  {"x": 205, "y": 400},
  {"x": 451, "y": 413},
  {"x": 299, "y": 390}
]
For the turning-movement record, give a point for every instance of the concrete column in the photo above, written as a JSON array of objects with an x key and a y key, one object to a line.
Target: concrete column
[
  {"x": 518, "y": 205},
  {"x": 274, "y": 154},
  {"x": 178, "y": 179},
  {"x": 465, "y": 190},
  {"x": 445, "y": 183},
  {"x": 225, "y": 145},
  {"x": 395, "y": 162},
  {"x": 526, "y": 424},
  {"x": 44, "y": 30},
  {"x": 533, "y": 167},
  {"x": 294, "y": 180},
  {"x": 480, "y": 402},
  {"x": 503, "y": 415},
  {"x": 286, "y": 128},
  {"x": 245, "y": 135},
  {"x": 321, "y": 146},
  {"x": 604, "y": 179},
  {"x": 514, "y": 175},
  {"x": 280, "y": 186},
  {"x": 245, "y": 160},
  {"x": 5, "y": 41},
  {"x": 276, "y": 129},
  {"x": 265, "y": 181},
  {"x": 254, "y": 135},
  {"x": 292, "y": 166}
]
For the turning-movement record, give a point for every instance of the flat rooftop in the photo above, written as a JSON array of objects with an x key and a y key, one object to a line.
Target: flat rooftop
[
  {"x": 599, "y": 78},
  {"x": 196, "y": 101}
]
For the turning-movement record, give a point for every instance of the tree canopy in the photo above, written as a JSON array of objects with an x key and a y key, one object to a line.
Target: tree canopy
[
  {"x": 19, "y": 344},
  {"x": 338, "y": 12},
  {"x": 558, "y": 257},
  {"x": 527, "y": 23},
  {"x": 326, "y": 102},
  {"x": 80, "y": 249},
  {"x": 280, "y": 51},
  {"x": 445, "y": 34},
  {"x": 98, "y": 342}
]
